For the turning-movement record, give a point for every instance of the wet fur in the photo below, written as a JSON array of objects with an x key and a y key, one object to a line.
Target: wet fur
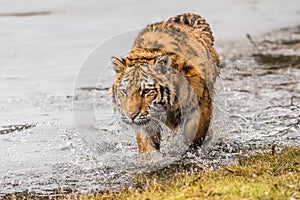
[{"x": 177, "y": 61}]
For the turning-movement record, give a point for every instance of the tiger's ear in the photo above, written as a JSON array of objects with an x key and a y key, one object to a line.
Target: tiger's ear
[
  {"x": 118, "y": 64},
  {"x": 162, "y": 64}
]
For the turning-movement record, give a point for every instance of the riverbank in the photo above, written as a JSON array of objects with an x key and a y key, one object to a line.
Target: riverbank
[{"x": 274, "y": 175}]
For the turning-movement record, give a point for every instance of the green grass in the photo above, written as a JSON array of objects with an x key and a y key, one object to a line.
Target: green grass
[{"x": 263, "y": 176}]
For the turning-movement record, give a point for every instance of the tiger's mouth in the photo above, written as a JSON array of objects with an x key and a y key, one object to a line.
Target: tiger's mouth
[{"x": 140, "y": 121}]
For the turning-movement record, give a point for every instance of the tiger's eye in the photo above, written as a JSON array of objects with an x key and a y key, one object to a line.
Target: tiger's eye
[{"x": 145, "y": 91}]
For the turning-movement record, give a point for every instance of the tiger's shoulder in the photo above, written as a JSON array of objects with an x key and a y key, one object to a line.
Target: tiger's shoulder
[
  {"x": 186, "y": 28},
  {"x": 187, "y": 39}
]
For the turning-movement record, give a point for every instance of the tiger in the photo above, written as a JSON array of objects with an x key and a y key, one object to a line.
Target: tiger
[{"x": 167, "y": 80}]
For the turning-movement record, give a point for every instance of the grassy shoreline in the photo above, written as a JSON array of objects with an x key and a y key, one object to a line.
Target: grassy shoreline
[
  {"x": 273, "y": 175},
  {"x": 265, "y": 176}
]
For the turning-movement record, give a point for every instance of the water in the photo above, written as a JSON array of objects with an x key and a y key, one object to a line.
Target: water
[{"x": 56, "y": 145}]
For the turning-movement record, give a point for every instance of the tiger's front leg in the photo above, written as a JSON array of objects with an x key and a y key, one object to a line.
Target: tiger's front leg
[{"x": 147, "y": 142}]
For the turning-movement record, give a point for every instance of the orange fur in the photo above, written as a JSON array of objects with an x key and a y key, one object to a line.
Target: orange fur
[{"x": 184, "y": 43}]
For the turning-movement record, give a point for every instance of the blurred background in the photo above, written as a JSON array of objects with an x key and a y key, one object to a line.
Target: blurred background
[{"x": 43, "y": 43}]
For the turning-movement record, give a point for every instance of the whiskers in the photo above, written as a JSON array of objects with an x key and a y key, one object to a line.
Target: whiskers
[{"x": 153, "y": 123}]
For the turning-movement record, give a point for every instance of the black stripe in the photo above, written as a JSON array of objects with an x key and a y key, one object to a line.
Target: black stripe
[
  {"x": 168, "y": 95},
  {"x": 186, "y": 21},
  {"x": 161, "y": 89}
]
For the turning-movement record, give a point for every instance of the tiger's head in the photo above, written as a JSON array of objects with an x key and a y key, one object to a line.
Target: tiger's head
[{"x": 141, "y": 91}]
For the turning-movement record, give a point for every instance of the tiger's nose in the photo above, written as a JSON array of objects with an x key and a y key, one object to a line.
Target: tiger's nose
[{"x": 132, "y": 115}]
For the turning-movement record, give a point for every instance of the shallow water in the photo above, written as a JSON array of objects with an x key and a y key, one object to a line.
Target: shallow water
[{"x": 54, "y": 138}]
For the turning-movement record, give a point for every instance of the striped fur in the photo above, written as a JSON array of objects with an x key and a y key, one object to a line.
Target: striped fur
[{"x": 168, "y": 80}]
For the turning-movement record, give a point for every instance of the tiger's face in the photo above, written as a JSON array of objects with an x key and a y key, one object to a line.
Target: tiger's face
[{"x": 140, "y": 91}]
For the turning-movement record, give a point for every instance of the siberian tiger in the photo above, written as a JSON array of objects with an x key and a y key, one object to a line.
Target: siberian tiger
[{"x": 168, "y": 80}]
